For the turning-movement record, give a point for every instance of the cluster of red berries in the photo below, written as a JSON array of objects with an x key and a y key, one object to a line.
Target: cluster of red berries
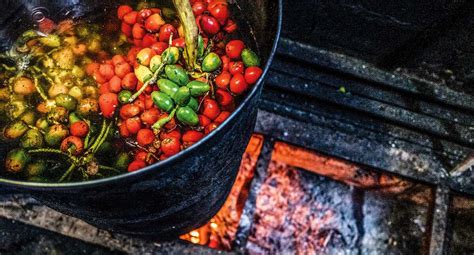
[{"x": 148, "y": 32}]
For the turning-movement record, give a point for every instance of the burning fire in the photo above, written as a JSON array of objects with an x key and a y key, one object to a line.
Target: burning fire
[{"x": 220, "y": 231}]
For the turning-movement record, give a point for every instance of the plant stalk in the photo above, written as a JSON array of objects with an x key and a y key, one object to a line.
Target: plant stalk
[{"x": 191, "y": 32}]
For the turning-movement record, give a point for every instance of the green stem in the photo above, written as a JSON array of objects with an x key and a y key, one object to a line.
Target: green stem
[
  {"x": 150, "y": 81},
  {"x": 109, "y": 168},
  {"x": 87, "y": 139},
  {"x": 102, "y": 130},
  {"x": 40, "y": 72},
  {"x": 68, "y": 172},
  {"x": 160, "y": 123},
  {"x": 53, "y": 151},
  {"x": 102, "y": 139},
  {"x": 8, "y": 68}
]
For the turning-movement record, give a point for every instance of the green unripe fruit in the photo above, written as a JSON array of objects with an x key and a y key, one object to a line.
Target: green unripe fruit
[
  {"x": 182, "y": 96},
  {"x": 143, "y": 73},
  {"x": 187, "y": 116},
  {"x": 29, "y": 117},
  {"x": 177, "y": 74},
  {"x": 168, "y": 87},
  {"x": 16, "y": 108},
  {"x": 56, "y": 134},
  {"x": 198, "y": 88},
  {"x": 163, "y": 101},
  {"x": 170, "y": 56},
  {"x": 122, "y": 161},
  {"x": 250, "y": 58},
  {"x": 42, "y": 124},
  {"x": 200, "y": 49},
  {"x": 15, "y": 130},
  {"x": 32, "y": 139},
  {"x": 16, "y": 160},
  {"x": 66, "y": 101},
  {"x": 211, "y": 62},
  {"x": 36, "y": 168},
  {"x": 124, "y": 96},
  {"x": 57, "y": 115},
  {"x": 155, "y": 63},
  {"x": 73, "y": 118},
  {"x": 193, "y": 104}
]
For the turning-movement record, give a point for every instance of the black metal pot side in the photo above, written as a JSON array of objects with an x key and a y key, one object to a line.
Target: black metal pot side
[{"x": 181, "y": 193}]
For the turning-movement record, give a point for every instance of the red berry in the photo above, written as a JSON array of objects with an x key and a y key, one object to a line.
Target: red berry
[
  {"x": 222, "y": 117},
  {"x": 170, "y": 146},
  {"x": 175, "y": 133},
  {"x": 136, "y": 165},
  {"x": 154, "y": 23},
  {"x": 199, "y": 8},
  {"x": 107, "y": 103},
  {"x": 123, "y": 130},
  {"x": 219, "y": 11},
  {"x": 79, "y": 129},
  {"x": 130, "y": 18},
  {"x": 211, "y": 127},
  {"x": 178, "y": 42},
  {"x": 98, "y": 77},
  {"x": 203, "y": 120},
  {"x": 141, "y": 155},
  {"x": 143, "y": 14},
  {"x": 252, "y": 74},
  {"x": 122, "y": 10},
  {"x": 234, "y": 48},
  {"x": 148, "y": 40},
  {"x": 126, "y": 29},
  {"x": 115, "y": 84},
  {"x": 236, "y": 67},
  {"x": 192, "y": 136},
  {"x": 209, "y": 25},
  {"x": 150, "y": 116},
  {"x": 138, "y": 32},
  {"x": 230, "y": 26},
  {"x": 166, "y": 31},
  {"x": 225, "y": 62},
  {"x": 211, "y": 108},
  {"x": 107, "y": 70},
  {"x": 145, "y": 137},
  {"x": 223, "y": 97},
  {"x": 133, "y": 125},
  {"x": 117, "y": 59},
  {"x": 132, "y": 55},
  {"x": 92, "y": 67},
  {"x": 159, "y": 47},
  {"x": 238, "y": 85},
  {"x": 223, "y": 80},
  {"x": 129, "y": 110},
  {"x": 104, "y": 88},
  {"x": 122, "y": 69},
  {"x": 129, "y": 81}
]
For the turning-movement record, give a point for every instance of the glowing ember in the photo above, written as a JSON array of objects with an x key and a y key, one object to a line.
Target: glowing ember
[
  {"x": 220, "y": 231},
  {"x": 294, "y": 214}
]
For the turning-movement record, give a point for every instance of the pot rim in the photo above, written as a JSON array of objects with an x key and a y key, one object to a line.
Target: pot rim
[{"x": 169, "y": 161}]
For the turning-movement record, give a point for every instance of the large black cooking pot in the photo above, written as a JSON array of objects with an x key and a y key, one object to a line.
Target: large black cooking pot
[{"x": 174, "y": 196}]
